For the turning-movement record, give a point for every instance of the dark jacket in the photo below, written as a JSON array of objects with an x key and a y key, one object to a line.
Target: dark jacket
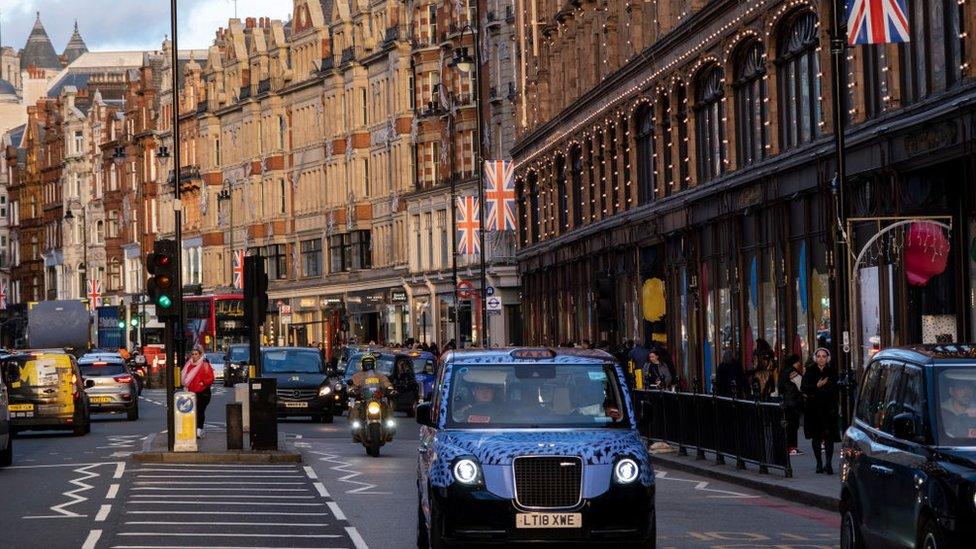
[
  {"x": 821, "y": 415},
  {"x": 791, "y": 394},
  {"x": 729, "y": 371}
]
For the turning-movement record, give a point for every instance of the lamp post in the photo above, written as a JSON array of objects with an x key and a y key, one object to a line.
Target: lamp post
[
  {"x": 83, "y": 269},
  {"x": 463, "y": 62},
  {"x": 227, "y": 194}
]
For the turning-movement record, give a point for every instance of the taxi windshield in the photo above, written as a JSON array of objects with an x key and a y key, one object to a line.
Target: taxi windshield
[
  {"x": 535, "y": 396},
  {"x": 956, "y": 388},
  {"x": 292, "y": 361},
  {"x": 384, "y": 364}
]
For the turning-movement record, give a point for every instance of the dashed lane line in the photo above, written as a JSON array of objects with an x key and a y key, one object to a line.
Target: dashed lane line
[
  {"x": 334, "y": 507},
  {"x": 357, "y": 540},
  {"x": 321, "y": 488},
  {"x": 92, "y": 540},
  {"x": 113, "y": 491},
  {"x": 283, "y": 524}
]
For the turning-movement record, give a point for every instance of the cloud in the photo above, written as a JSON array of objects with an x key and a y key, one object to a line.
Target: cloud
[{"x": 129, "y": 24}]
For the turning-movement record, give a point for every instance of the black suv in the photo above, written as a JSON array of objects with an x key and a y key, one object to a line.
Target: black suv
[{"x": 908, "y": 461}]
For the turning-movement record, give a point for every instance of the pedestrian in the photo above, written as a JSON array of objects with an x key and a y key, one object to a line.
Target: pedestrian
[
  {"x": 788, "y": 386},
  {"x": 821, "y": 418},
  {"x": 197, "y": 377},
  {"x": 656, "y": 372},
  {"x": 763, "y": 373},
  {"x": 433, "y": 349},
  {"x": 729, "y": 379}
]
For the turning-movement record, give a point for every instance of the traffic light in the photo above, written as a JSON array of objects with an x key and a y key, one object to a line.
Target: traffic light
[
  {"x": 121, "y": 324},
  {"x": 255, "y": 290},
  {"x": 162, "y": 285}
]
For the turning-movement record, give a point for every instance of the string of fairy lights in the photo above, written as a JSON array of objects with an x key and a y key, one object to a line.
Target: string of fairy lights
[{"x": 600, "y": 127}]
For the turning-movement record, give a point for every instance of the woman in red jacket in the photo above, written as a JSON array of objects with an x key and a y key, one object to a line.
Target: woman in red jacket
[{"x": 197, "y": 377}]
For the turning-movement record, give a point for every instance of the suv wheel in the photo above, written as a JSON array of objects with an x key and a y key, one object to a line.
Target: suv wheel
[
  {"x": 850, "y": 529},
  {"x": 7, "y": 455},
  {"x": 931, "y": 536}
]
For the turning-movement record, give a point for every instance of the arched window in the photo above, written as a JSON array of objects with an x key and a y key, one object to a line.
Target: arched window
[
  {"x": 681, "y": 102},
  {"x": 576, "y": 157},
  {"x": 709, "y": 113},
  {"x": 750, "y": 104},
  {"x": 667, "y": 165},
  {"x": 561, "y": 198},
  {"x": 523, "y": 219},
  {"x": 534, "y": 213},
  {"x": 100, "y": 232},
  {"x": 799, "y": 81},
  {"x": 646, "y": 183}
]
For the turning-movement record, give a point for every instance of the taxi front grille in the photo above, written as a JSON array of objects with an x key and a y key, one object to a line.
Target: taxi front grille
[{"x": 548, "y": 482}]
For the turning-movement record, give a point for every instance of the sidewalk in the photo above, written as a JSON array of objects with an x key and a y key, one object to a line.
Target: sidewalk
[
  {"x": 213, "y": 449},
  {"x": 805, "y": 487}
]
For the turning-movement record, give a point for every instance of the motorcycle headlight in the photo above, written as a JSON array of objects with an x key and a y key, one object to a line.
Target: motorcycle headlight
[
  {"x": 338, "y": 387},
  {"x": 373, "y": 408},
  {"x": 324, "y": 391},
  {"x": 626, "y": 471},
  {"x": 465, "y": 471}
]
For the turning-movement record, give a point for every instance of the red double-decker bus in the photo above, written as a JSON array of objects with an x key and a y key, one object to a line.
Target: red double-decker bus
[{"x": 215, "y": 321}]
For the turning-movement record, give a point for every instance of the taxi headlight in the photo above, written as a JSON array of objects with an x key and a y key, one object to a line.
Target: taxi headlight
[
  {"x": 324, "y": 391},
  {"x": 373, "y": 408},
  {"x": 626, "y": 471},
  {"x": 465, "y": 471}
]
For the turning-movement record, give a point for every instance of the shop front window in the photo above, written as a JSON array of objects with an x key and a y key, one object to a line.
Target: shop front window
[
  {"x": 802, "y": 273},
  {"x": 769, "y": 318},
  {"x": 820, "y": 296}
]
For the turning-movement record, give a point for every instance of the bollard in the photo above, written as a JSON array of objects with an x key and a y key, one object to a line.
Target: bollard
[{"x": 235, "y": 426}]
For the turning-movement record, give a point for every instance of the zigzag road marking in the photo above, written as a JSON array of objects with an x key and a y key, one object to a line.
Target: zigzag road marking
[
  {"x": 73, "y": 495},
  {"x": 364, "y": 488},
  {"x": 702, "y": 486}
]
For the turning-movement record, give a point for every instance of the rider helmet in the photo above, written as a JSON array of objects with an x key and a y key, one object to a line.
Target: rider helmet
[{"x": 368, "y": 362}]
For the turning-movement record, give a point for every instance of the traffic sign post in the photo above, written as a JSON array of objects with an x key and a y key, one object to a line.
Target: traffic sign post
[{"x": 494, "y": 305}]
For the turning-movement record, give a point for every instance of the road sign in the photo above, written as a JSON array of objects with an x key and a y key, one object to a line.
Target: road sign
[
  {"x": 494, "y": 304},
  {"x": 465, "y": 290},
  {"x": 490, "y": 291}
]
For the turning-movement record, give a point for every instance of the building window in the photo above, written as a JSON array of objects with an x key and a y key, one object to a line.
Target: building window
[
  {"x": 561, "y": 194},
  {"x": 99, "y": 232},
  {"x": 276, "y": 261},
  {"x": 646, "y": 180},
  {"x": 932, "y": 59},
  {"x": 362, "y": 250},
  {"x": 114, "y": 276},
  {"x": 113, "y": 224},
  {"x": 431, "y": 23},
  {"x": 709, "y": 124},
  {"x": 79, "y": 142},
  {"x": 283, "y": 206},
  {"x": 534, "y": 214},
  {"x": 681, "y": 99},
  {"x": 750, "y": 104},
  {"x": 873, "y": 77},
  {"x": 216, "y": 152},
  {"x": 576, "y": 154},
  {"x": 312, "y": 257},
  {"x": 668, "y": 147},
  {"x": 799, "y": 82}
]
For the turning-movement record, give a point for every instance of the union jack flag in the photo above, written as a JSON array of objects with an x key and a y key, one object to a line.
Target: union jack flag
[
  {"x": 877, "y": 21},
  {"x": 238, "y": 268},
  {"x": 468, "y": 225},
  {"x": 3, "y": 296},
  {"x": 500, "y": 196},
  {"x": 94, "y": 294}
]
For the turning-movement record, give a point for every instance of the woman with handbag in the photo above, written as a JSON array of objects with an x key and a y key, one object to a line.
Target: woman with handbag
[{"x": 197, "y": 377}]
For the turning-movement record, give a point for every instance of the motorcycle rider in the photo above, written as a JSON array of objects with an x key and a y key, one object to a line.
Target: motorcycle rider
[{"x": 366, "y": 377}]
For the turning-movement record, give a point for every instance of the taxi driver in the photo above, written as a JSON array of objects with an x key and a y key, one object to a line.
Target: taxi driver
[
  {"x": 958, "y": 412},
  {"x": 483, "y": 405}
]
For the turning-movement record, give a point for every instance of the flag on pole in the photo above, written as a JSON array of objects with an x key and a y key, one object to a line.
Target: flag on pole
[
  {"x": 877, "y": 22},
  {"x": 3, "y": 296},
  {"x": 94, "y": 294},
  {"x": 238, "y": 268},
  {"x": 500, "y": 196},
  {"x": 468, "y": 225}
]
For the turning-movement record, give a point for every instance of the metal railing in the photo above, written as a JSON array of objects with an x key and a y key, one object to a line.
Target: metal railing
[{"x": 746, "y": 431}]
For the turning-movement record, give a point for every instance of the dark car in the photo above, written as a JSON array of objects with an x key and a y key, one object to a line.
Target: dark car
[
  {"x": 236, "y": 363},
  {"x": 7, "y": 375},
  {"x": 908, "y": 461},
  {"x": 425, "y": 371},
  {"x": 303, "y": 385},
  {"x": 532, "y": 445}
]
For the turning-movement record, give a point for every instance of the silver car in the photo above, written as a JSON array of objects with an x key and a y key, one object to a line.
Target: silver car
[{"x": 110, "y": 387}]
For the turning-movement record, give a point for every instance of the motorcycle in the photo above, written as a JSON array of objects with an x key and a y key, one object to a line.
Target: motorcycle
[{"x": 373, "y": 425}]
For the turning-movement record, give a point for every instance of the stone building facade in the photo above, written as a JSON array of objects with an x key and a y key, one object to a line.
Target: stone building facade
[{"x": 675, "y": 167}]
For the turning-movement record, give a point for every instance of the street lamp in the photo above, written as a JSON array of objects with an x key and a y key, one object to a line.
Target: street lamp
[
  {"x": 83, "y": 268},
  {"x": 463, "y": 62},
  {"x": 227, "y": 194}
]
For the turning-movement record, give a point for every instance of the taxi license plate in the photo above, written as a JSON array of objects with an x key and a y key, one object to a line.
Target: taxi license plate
[
  {"x": 296, "y": 405},
  {"x": 549, "y": 520},
  {"x": 100, "y": 400},
  {"x": 21, "y": 408}
]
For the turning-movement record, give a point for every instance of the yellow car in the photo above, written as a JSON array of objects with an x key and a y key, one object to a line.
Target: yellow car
[{"x": 46, "y": 392}]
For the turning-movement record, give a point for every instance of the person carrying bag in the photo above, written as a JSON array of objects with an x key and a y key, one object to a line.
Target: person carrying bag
[{"x": 197, "y": 377}]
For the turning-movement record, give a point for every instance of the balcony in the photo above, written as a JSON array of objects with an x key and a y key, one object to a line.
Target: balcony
[
  {"x": 202, "y": 107},
  {"x": 264, "y": 86},
  {"x": 392, "y": 35},
  {"x": 187, "y": 173}
]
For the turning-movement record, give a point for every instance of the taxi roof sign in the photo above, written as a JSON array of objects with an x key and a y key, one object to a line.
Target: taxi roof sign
[{"x": 528, "y": 354}]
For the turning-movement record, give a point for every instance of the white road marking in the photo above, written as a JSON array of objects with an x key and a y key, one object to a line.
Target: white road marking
[
  {"x": 702, "y": 486},
  {"x": 350, "y": 474},
  {"x": 310, "y": 472},
  {"x": 357, "y": 540},
  {"x": 207, "y": 547},
  {"x": 219, "y": 476},
  {"x": 227, "y": 465},
  {"x": 145, "y": 482},
  {"x": 103, "y": 512},
  {"x": 74, "y": 496},
  {"x": 119, "y": 469},
  {"x": 178, "y": 489},
  {"x": 334, "y": 507},
  {"x": 92, "y": 539},
  {"x": 121, "y": 454},
  {"x": 286, "y": 524},
  {"x": 195, "y": 471},
  {"x": 253, "y": 503},
  {"x": 222, "y": 535},
  {"x": 113, "y": 491},
  {"x": 235, "y": 513},
  {"x": 215, "y": 496},
  {"x": 321, "y": 488}
]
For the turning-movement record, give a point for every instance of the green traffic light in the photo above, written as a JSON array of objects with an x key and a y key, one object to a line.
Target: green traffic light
[
  {"x": 164, "y": 301},
  {"x": 134, "y": 322},
  {"x": 121, "y": 324}
]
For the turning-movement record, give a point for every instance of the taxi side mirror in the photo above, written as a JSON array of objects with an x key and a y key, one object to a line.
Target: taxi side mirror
[
  {"x": 905, "y": 426},
  {"x": 424, "y": 414}
]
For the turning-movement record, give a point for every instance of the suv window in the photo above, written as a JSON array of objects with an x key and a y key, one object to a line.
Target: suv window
[
  {"x": 892, "y": 397},
  {"x": 880, "y": 394},
  {"x": 866, "y": 403}
]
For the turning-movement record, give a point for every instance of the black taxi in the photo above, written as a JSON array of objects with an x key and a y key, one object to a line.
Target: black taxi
[
  {"x": 908, "y": 461},
  {"x": 532, "y": 445}
]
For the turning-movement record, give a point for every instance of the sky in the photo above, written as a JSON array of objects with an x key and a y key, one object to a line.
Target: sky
[{"x": 109, "y": 25}]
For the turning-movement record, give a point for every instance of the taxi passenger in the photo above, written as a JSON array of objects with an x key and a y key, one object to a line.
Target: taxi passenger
[{"x": 958, "y": 412}]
